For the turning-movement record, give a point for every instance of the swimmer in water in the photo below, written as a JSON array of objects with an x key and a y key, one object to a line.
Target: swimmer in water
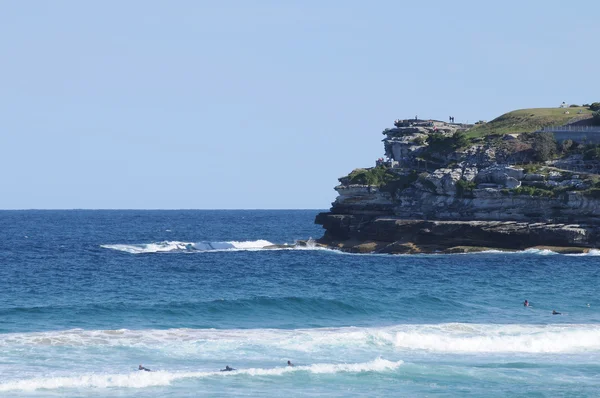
[
  {"x": 526, "y": 303},
  {"x": 143, "y": 368},
  {"x": 290, "y": 364},
  {"x": 554, "y": 312},
  {"x": 227, "y": 369}
]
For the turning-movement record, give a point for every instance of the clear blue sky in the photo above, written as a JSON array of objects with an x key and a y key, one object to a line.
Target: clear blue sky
[{"x": 258, "y": 104}]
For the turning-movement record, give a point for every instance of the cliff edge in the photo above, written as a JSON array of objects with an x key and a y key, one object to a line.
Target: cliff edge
[{"x": 449, "y": 187}]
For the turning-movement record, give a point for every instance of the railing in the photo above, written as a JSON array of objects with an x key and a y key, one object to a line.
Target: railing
[{"x": 569, "y": 128}]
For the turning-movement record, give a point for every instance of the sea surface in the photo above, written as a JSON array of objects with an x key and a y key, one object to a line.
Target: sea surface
[{"x": 87, "y": 296}]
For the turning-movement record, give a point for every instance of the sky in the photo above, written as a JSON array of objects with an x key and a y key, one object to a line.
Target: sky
[{"x": 258, "y": 104}]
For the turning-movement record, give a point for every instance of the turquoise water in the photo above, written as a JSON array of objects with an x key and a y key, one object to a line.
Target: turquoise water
[{"x": 87, "y": 296}]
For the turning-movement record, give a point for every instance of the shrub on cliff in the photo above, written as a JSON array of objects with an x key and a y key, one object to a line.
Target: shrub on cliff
[
  {"x": 464, "y": 189},
  {"x": 533, "y": 191},
  {"x": 595, "y": 106},
  {"x": 400, "y": 183},
  {"x": 420, "y": 140},
  {"x": 544, "y": 146},
  {"x": 566, "y": 145},
  {"x": 591, "y": 152},
  {"x": 376, "y": 176},
  {"x": 445, "y": 144},
  {"x": 592, "y": 193}
]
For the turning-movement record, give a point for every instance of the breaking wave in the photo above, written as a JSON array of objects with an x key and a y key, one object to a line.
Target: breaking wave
[
  {"x": 465, "y": 338},
  {"x": 443, "y": 338},
  {"x": 163, "y": 378},
  {"x": 195, "y": 247},
  {"x": 593, "y": 252},
  {"x": 175, "y": 246},
  {"x": 540, "y": 252}
]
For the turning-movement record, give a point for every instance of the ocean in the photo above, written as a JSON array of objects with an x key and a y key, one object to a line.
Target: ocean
[{"x": 87, "y": 296}]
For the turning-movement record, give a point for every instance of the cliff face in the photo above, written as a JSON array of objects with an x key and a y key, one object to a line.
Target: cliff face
[{"x": 439, "y": 190}]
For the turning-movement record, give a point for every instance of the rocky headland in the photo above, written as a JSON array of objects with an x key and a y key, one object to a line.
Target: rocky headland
[{"x": 449, "y": 187}]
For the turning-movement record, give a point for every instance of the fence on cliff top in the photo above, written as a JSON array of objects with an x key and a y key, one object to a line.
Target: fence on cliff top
[
  {"x": 570, "y": 128},
  {"x": 580, "y": 134}
]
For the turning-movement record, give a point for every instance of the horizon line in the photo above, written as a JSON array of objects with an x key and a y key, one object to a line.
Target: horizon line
[{"x": 159, "y": 209}]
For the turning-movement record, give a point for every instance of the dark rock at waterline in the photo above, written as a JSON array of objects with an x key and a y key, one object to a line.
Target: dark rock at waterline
[
  {"x": 393, "y": 235},
  {"x": 297, "y": 244}
]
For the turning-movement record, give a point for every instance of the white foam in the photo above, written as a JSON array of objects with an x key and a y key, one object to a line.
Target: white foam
[
  {"x": 450, "y": 338},
  {"x": 592, "y": 252},
  {"x": 462, "y": 338},
  {"x": 250, "y": 245},
  {"x": 166, "y": 246},
  {"x": 162, "y": 378},
  {"x": 541, "y": 252},
  {"x": 176, "y": 246},
  {"x": 194, "y": 247}
]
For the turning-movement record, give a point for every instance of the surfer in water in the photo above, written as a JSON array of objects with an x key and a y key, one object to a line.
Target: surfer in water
[
  {"x": 143, "y": 368},
  {"x": 554, "y": 312},
  {"x": 526, "y": 303},
  {"x": 227, "y": 369},
  {"x": 290, "y": 364}
]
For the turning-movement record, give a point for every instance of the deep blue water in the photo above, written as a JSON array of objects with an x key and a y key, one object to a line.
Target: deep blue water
[{"x": 85, "y": 296}]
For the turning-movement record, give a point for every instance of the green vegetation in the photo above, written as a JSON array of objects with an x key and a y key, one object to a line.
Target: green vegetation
[
  {"x": 595, "y": 106},
  {"x": 375, "y": 176},
  {"x": 420, "y": 140},
  {"x": 533, "y": 191},
  {"x": 592, "y": 192},
  {"x": 532, "y": 168},
  {"x": 591, "y": 152},
  {"x": 382, "y": 177},
  {"x": 464, "y": 189},
  {"x": 430, "y": 186},
  {"x": 544, "y": 146},
  {"x": 566, "y": 146},
  {"x": 528, "y": 120},
  {"x": 552, "y": 192},
  {"x": 400, "y": 183},
  {"x": 439, "y": 143}
]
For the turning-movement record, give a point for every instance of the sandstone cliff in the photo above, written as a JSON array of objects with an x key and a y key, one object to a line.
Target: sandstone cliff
[{"x": 440, "y": 189}]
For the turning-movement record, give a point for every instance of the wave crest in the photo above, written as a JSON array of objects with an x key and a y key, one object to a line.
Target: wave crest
[
  {"x": 162, "y": 378},
  {"x": 176, "y": 246},
  {"x": 463, "y": 338},
  {"x": 445, "y": 338}
]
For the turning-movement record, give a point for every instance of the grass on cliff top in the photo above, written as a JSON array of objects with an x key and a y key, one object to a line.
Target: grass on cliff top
[{"x": 528, "y": 120}]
